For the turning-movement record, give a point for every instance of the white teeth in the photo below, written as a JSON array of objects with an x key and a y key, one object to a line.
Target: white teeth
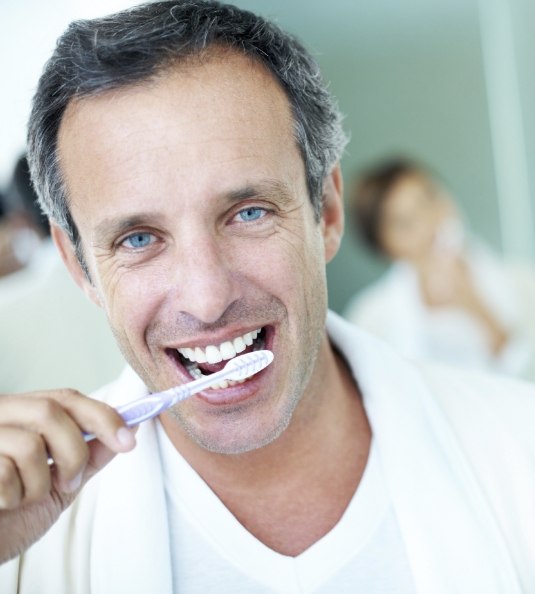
[
  {"x": 213, "y": 354},
  {"x": 223, "y": 352},
  {"x": 239, "y": 344},
  {"x": 227, "y": 350},
  {"x": 199, "y": 355},
  {"x": 196, "y": 373}
]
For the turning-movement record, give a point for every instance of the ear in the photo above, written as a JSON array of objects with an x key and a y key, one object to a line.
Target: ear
[
  {"x": 70, "y": 259},
  {"x": 332, "y": 217}
]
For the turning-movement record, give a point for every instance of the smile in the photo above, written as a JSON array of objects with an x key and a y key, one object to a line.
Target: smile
[{"x": 201, "y": 361}]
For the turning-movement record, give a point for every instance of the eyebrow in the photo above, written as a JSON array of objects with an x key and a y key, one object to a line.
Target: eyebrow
[
  {"x": 273, "y": 188},
  {"x": 115, "y": 226}
]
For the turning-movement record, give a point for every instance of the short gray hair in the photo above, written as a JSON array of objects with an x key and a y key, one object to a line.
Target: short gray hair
[{"x": 137, "y": 44}]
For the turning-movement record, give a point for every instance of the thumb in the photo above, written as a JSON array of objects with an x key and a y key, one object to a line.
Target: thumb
[{"x": 100, "y": 455}]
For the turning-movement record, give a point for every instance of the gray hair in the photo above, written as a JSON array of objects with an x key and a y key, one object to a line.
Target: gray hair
[{"x": 137, "y": 44}]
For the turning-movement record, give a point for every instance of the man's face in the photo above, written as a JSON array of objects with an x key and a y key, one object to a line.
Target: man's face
[{"x": 190, "y": 198}]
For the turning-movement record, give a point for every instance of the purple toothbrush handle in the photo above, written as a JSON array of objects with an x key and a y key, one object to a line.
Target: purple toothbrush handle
[{"x": 140, "y": 410}]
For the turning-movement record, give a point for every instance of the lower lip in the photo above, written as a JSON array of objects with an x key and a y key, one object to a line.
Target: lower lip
[{"x": 233, "y": 394}]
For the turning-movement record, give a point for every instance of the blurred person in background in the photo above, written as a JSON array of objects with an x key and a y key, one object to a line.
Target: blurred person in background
[
  {"x": 23, "y": 227},
  {"x": 51, "y": 334},
  {"x": 446, "y": 296}
]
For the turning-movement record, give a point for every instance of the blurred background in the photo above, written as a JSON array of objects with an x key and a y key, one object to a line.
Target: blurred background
[{"x": 448, "y": 82}]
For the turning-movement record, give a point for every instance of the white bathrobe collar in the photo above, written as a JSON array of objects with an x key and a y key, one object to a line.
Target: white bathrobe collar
[
  {"x": 130, "y": 540},
  {"x": 452, "y": 539}
]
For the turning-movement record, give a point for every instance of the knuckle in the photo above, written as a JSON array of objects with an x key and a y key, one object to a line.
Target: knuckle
[
  {"x": 45, "y": 410},
  {"x": 32, "y": 449},
  {"x": 66, "y": 394}
]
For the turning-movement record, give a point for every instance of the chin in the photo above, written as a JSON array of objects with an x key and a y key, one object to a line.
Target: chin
[{"x": 233, "y": 438}]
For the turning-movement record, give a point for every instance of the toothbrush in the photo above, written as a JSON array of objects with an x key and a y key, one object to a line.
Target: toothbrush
[{"x": 147, "y": 407}]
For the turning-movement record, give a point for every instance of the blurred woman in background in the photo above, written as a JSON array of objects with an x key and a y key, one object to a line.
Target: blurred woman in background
[{"x": 446, "y": 296}]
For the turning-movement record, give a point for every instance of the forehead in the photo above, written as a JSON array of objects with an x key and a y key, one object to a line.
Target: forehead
[
  {"x": 409, "y": 189},
  {"x": 205, "y": 118}
]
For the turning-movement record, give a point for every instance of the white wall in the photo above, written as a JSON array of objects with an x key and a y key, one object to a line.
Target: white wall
[{"x": 29, "y": 29}]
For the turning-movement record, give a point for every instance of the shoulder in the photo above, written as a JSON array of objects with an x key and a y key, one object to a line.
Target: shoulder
[
  {"x": 492, "y": 418},
  {"x": 463, "y": 393}
]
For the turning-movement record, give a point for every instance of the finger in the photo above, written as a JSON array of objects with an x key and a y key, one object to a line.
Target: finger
[
  {"x": 11, "y": 489},
  {"x": 89, "y": 414},
  {"x": 60, "y": 416},
  {"x": 46, "y": 419},
  {"x": 98, "y": 418},
  {"x": 27, "y": 452}
]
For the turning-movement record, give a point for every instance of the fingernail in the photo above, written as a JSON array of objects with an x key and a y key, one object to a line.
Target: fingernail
[
  {"x": 74, "y": 485},
  {"x": 125, "y": 437}
]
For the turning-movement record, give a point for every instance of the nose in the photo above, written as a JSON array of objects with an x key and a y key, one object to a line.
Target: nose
[{"x": 205, "y": 282}]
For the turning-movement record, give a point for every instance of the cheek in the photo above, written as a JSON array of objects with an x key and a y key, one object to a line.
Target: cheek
[
  {"x": 391, "y": 242},
  {"x": 293, "y": 263},
  {"x": 132, "y": 298}
]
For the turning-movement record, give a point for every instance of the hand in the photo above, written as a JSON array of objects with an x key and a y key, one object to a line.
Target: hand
[
  {"x": 446, "y": 281},
  {"x": 33, "y": 427}
]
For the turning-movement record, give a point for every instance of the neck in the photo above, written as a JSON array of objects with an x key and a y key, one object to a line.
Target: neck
[{"x": 310, "y": 471}]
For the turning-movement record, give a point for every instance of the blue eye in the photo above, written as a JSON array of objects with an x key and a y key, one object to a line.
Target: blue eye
[
  {"x": 138, "y": 240},
  {"x": 251, "y": 214}
]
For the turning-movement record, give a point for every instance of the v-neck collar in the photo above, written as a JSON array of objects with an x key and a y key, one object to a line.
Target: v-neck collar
[{"x": 282, "y": 573}]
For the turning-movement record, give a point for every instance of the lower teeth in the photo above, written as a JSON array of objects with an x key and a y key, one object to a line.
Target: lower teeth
[{"x": 196, "y": 373}]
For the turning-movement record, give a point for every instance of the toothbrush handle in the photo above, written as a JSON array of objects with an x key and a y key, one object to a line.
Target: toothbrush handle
[
  {"x": 150, "y": 406},
  {"x": 147, "y": 407},
  {"x": 142, "y": 409}
]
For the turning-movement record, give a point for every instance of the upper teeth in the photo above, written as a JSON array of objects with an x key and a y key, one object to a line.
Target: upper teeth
[{"x": 215, "y": 354}]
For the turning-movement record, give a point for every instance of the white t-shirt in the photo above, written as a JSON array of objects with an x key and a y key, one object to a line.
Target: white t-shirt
[{"x": 212, "y": 552}]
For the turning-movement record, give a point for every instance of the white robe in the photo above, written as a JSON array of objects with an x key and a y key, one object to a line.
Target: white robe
[
  {"x": 457, "y": 450},
  {"x": 392, "y": 308}
]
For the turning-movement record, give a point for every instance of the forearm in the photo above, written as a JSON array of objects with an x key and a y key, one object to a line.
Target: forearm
[{"x": 498, "y": 335}]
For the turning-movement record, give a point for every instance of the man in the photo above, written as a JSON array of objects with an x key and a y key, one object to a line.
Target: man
[{"x": 187, "y": 155}]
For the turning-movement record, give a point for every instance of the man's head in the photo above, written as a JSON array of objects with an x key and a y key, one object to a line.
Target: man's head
[
  {"x": 199, "y": 173},
  {"x": 398, "y": 208},
  {"x": 135, "y": 46}
]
